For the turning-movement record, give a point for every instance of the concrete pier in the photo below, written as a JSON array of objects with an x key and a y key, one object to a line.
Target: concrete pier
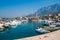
[{"x": 49, "y": 36}]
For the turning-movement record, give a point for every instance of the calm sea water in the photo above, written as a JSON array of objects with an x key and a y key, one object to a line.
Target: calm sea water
[{"x": 24, "y": 30}]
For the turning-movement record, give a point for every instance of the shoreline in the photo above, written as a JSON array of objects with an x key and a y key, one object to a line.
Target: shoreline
[{"x": 49, "y": 36}]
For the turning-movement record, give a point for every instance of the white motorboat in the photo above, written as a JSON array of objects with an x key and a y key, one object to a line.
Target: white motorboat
[
  {"x": 15, "y": 22},
  {"x": 8, "y": 23},
  {"x": 24, "y": 20},
  {"x": 41, "y": 30},
  {"x": 40, "y": 20},
  {"x": 57, "y": 27},
  {"x": 52, "y": 25},
  {"x": 50, "y": 21},
  {"x": 58, "y": 23}
]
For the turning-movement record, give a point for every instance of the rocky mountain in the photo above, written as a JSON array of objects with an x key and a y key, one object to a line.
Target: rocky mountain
[{"x": 52, "y": 9}]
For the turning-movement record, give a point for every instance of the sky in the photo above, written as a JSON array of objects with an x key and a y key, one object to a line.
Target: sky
[{"x": 18, "y": 8}]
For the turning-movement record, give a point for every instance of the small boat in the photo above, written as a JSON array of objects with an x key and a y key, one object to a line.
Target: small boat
[
  {"x": 58, "y": 23},
  {"x": 41, "y": 30},
  {"x": 15, "y": 22},
  {"x": 45, "y": 24},
  {"x": 50, "y": 21},
  {"x": 41, "y": 21},
  {"x": 57, "y": 27},
  {"x": 47, "y": 29},
  {"x": 52, "y": 25},
  {"x": 24, "y": 19},
  {"x": 2, "y": 28}
]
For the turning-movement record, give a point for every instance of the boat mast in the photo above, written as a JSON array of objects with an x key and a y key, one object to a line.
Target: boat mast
[{"x": 37, "y": 19}]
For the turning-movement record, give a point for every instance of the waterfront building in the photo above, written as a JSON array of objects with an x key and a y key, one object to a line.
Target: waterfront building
[
  {"x": 34, "y": 19},
  {"x": 24, "y": 19}
]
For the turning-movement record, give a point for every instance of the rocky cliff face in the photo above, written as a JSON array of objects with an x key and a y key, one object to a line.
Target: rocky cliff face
[{"x": 52, "y": 9}]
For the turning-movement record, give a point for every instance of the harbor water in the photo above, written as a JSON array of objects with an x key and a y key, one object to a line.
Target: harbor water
[{"x": 24, "y": 30}]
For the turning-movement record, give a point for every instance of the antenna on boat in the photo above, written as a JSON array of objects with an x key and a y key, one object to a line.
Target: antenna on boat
[
  {"x": 36, "y": 15},
  {"x": 32, "y": 19}
]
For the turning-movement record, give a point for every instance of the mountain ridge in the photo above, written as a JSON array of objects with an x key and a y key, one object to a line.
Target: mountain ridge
[{"x": 52, "y": 9}]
